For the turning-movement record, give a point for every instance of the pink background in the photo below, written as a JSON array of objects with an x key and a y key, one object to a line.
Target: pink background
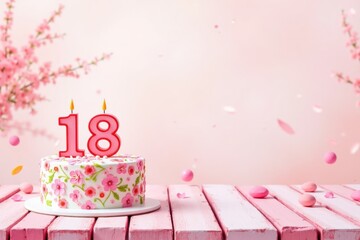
[{"x": 173, "y": 72}]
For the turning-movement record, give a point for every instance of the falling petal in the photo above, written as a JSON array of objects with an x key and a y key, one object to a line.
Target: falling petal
[
  {"x": 355, "y": 148},
  {"x": 229, "y": 109},
  {"x": 17, "y": 198},
  {"x": 285, "y": 127},
  {"x": 16, "y": 170},
  {"x": 181, "y": 195},
  {"x": 317, "y": 109}
]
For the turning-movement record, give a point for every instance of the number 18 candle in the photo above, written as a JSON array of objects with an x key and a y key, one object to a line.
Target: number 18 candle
[
  {"x": 108, "y": 134},
  {"x": 72, "y": 149}
]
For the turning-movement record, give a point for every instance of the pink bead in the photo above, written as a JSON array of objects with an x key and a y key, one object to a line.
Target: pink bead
[
  {"x": 356, "y": 195},
  {"x": 309, "y": 187},
  {"x": 187, "y": 175},
  {"x": 329, "y": 195},
  {"x": 330, "y": 157},
  {"x": 14, "y": 140},
  {"x": 26, "y": 187},
  {"x": 307, "y": 200},
  {"x": 259, "y": 192}
]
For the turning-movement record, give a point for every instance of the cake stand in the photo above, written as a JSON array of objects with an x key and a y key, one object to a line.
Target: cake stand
[{"x": 35, "y": 205}]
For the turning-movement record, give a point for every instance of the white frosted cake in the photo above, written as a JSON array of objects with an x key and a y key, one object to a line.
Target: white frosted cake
[{"x": 92, "y": 182}]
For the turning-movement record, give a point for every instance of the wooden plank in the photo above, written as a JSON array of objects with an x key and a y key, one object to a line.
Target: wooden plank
[
  {"x": 107, "y": 228},
  {"x": 353, "y": 186},
  {"x": 289, "y": 224},
  {"x": 192, "y": 216},
  {"x": 71, "y": 228},
  {"x": 238, "y": 218},
  {"x": 342, "y": 206},
  {"x": 11, "y": 213},
  {"x": 331, "y": 225},
  {"x": 339, "y": 190},
  {"x": 155, "y": 225},
  {"x": 7, "y": 191},
  {"x": 32, "y": 227}
]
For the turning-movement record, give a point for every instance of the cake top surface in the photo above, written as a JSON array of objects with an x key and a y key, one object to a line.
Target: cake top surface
[{"x": 93, "y": 159}]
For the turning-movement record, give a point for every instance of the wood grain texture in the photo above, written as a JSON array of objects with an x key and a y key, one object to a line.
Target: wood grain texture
[
  {"x": 192, "y": 216},
  {"x": 7, "y": 191},
  {"x": 154, "y": 225},
  {"x": 238, "y": 218},
  {"x": 289, "y": 224},
  {"x": 32, "y": 227},
  {"x": 107, "y": 228},
  {"x": 11, "y": 212},
  {"x": 342, "y": 206},
  {"x": 71, "y": 228},
  {"x": 331, "y": 225}
]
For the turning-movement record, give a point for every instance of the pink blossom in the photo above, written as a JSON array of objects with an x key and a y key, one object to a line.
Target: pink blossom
[
  {"x": 135, "y": 190},
  {"x": 357, "y": 86},
  {"x": 140, "y": 164},
  {"x": 62, "y": 203},
  {"x": 58, "y": 187},
  {"x": 121, "y": 168},
  {"x": 75, "y": 195},
  {"x": 76, "y": 177},
  {"x": 128, "y": 200},
  {"x": 89, "y": 170},
  {"x": 88, "y": 205},
  {"x": 131, "y": 170},
  {"x": 90, "y": 192},
  {"x": 110, "y": 182}
]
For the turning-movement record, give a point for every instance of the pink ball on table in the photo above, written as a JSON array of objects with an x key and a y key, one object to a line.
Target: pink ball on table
[
  {"x": 14, "y": 140},
  {"x": 259, "y": 192},
  {"x": 330, "y": 157},
  {"x": 26, "y": 187},
  {"x": 307, "y": 200},
  {"x": 356, "y": 195},
  {"x": 187, "y": 175},
  {"x": 309, "y": 187}
]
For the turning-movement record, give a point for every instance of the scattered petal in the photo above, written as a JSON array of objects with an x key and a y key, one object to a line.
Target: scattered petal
[
  {"x": 229, "y": 109},
  {"x": 329, "y": 195},
  {"x": 14, "y": 140},
  {"x": 17, "y": 198},
  {"x": 181, "y": 195},
  {"x": 355, "y": 148},
  {"x": 285, "y": 127},
  {"x": 317, "y": 109},
  {"x": 16, "y": 170}
]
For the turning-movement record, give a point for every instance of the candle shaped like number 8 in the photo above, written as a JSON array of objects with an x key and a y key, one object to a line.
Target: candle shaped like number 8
[
  {"x": 108, "y": 134},
  {"x": 70, "y": 122}
]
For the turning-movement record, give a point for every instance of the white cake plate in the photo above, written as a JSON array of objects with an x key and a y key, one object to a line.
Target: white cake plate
[{"x": 35, "y": 205}]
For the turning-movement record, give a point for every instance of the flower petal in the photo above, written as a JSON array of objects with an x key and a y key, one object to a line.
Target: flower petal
[{"x": 285, "y": 127}]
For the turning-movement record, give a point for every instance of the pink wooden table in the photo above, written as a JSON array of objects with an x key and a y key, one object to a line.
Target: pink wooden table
[{"x": 206, "y": 212}]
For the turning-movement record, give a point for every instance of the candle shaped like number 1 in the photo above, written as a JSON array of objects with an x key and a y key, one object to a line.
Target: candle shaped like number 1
[
  {"x": 108, "y": 134},
  {"x": 70, "y": 122}
]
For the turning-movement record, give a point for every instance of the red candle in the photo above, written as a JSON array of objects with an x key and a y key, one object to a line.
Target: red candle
[
  {"x": 70, "y": 122},
  {"x": 108, "y": 134}
]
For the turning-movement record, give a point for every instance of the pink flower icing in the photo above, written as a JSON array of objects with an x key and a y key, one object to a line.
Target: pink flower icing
[
  {"x": 135, "y": 190},
  {"x": 140, "y": 164},
  {"x": 58, "y": 187},
  {"x": 128, "y": 200},
  {"x": 110, "y": 182},
  {"x": 76, "y": 177},
  {"x": 89, "y": 170},
  {"x": 75, "y": 195},
  {"x": 90, "y": 191},
  {"x": 121, "y": 168},
  {"x": 131, "y": 170},
  {"x": 88, "y": 205},
  {"x": 63, "y": 203}
]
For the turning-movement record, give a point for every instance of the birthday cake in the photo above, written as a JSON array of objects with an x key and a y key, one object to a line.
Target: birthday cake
[{"x": 90, "y": 182}]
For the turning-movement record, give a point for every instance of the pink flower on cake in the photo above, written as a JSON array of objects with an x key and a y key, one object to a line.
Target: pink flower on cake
[
  {"x": 131, "y": 170},
  {"x": 63, "y": 203},
  {"x": 90, "y": 191},
  {"x": 89, "y": 170},
  {"x": 47, "y": 166},
  {"x": 75, "y": 195},
  {"x": 76, "y": 177},
  {"x": 44, "y": 188},
  {"x": 121, "y": 168},
  {"x": 58, "y": 187},
  {"x": 135, "y": 190},
  {"x": 88, "y": 205},
  {"x": 128, "y": 200},
  {"x": 110, "y": 182},
  {"x": 140, "y": 164},
  {"x": 142, "y": 189}
]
